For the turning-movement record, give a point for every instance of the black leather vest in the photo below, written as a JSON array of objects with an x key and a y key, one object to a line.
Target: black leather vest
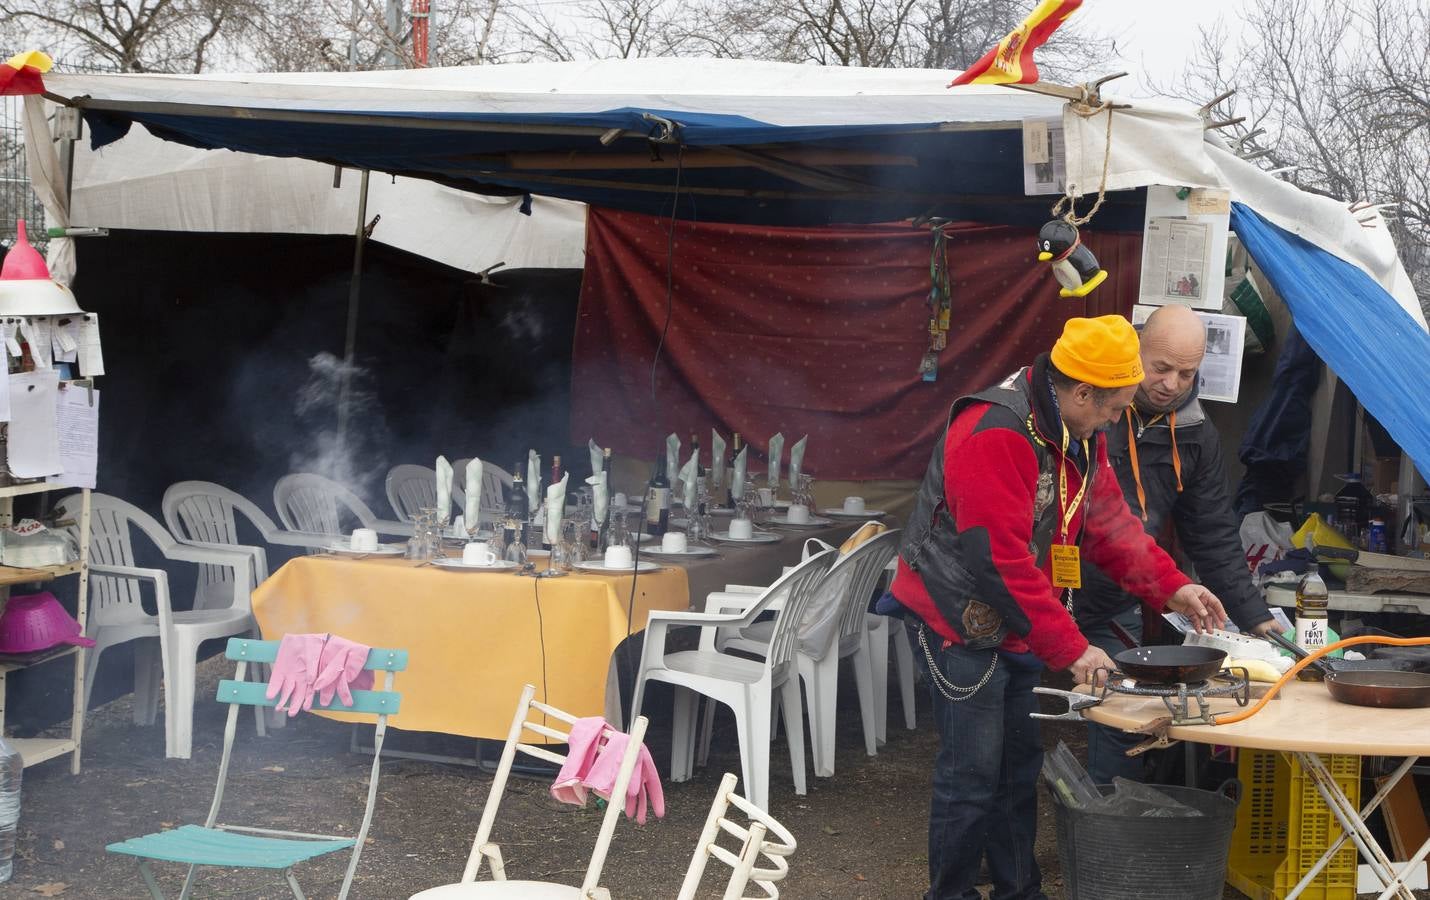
[{"x": 965, "y": 587}]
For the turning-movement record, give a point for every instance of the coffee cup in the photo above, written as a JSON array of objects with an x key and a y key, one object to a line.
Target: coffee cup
[
  {"x": 478, "y": 553},
  {"x": 854, "y": 505},
  {"x": 364, "y": 540},
  {"x": 619, "y": 557},
  {"x": 741, "y": 529},
  {"x": 673, "y": 542},
  {"x": 797, "y": 515}
]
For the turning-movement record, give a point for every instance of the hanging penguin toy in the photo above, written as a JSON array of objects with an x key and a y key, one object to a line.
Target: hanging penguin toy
[{"x": 1073, "y": 264}]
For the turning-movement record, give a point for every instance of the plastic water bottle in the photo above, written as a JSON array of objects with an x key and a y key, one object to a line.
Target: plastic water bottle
[{"x": 12, "y": 769}]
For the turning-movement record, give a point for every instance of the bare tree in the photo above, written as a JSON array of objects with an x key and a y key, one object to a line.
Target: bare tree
[{"x": 1341, "y": 97}]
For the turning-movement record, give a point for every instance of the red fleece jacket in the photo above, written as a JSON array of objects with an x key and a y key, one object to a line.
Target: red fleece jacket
[{"x": 990, "y": 481}]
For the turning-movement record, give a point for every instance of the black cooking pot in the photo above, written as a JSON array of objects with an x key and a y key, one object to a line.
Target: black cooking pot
[{"x": 1170, "y": 665}]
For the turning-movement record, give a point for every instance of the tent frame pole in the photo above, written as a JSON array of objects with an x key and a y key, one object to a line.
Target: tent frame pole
[{"x": 345, "y": 378}]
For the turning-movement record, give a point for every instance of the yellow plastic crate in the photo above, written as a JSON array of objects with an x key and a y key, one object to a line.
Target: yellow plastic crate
[{"x": 1283, "y": 826}]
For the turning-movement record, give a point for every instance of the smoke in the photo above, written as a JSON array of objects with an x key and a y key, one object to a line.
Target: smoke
[
  {"x": 521, "y": 323},
  {"x": 355, "y": 457}
]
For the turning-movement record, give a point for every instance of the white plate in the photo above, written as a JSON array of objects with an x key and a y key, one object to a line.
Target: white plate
[
  {"x": 759, "y": 537},
  {"x": 596, "y": 565},
  {"x": 811, "y": 522},
  {"x": 688, "y": 551},
  {"x": 382, "y": 550},
  {"x": 458, "y": 565},
  {"x": 839, "y": 513}
]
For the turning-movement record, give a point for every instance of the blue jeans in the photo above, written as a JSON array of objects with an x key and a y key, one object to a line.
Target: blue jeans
[
  {"x": 1107, "y": 747},
  {"x": 985, "y": 779}
]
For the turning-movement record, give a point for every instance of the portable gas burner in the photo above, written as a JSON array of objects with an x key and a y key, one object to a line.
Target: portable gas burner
[{"x": 1186, "y": 702}]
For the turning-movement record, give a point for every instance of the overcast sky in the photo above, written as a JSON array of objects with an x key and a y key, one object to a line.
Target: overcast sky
[{"x": 1154, "y": 37}]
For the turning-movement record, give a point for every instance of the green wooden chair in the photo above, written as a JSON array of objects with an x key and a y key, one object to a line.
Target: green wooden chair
[{"x": 235, "y": 846}]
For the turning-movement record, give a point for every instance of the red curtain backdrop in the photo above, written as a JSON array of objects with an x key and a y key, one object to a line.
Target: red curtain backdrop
[{"x": 814, "y": 331}]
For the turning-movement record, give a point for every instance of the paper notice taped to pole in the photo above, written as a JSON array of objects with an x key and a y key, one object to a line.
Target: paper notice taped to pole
[{"x": 77, "y": 426}]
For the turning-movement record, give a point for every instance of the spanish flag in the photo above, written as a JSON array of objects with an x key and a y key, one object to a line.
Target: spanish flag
[
  {"x": 1011, "y": 62},
  {"x": 20, "y": 74}
]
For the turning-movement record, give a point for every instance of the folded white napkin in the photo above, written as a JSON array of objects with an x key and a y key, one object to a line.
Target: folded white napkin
[
  {"x": 474, "y": 492},
  {"x": 533, "y": 481},
  {"x": 555, "y": 508},
  {"x": 672, "y": 455},
  {"x": 444, "y": 489},
  {"x": 777, "y": 449},
  {"x": 598, "y": 458},
  {"x": 599, "y": 494},
  {"x": 690, "y": 480},
  {"x": 796, "y": 462},
  {"x": 737, "y": 478},
  {"x": 717, "y": 458}
]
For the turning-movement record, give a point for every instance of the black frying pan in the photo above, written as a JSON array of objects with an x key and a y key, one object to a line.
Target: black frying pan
[
  {"x": 1170, "y": 665},
  {"x": 1367, "y": 687}
]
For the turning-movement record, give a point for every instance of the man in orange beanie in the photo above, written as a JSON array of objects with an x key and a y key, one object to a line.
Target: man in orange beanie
[{"x": 1017, "y": 493}]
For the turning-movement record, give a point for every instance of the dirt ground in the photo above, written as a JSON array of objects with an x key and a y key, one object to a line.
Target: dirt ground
[{"x": 861, "y": 833}]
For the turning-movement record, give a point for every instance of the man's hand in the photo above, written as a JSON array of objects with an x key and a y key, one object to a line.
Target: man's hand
[
  {"x": 1262, "y": 629},
  {"x": 1200, "y": 605},
  {"x": 1085, "y": 667}
]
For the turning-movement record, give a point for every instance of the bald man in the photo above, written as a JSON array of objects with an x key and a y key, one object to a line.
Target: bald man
[{"x": 1167, "y": 456}]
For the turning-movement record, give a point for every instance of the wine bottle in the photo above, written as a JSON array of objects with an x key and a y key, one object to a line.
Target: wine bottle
[
  {"x": 695, "y": 451},
  {"x": 555, "y": 470},
  {"x": 657, "y": 500},
  {"x": 517, "y": 507},
  {"x": 730, "y": 472}
]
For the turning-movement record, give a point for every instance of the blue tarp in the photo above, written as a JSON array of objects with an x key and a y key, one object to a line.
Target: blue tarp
[{"x": 1377, "y": 349}]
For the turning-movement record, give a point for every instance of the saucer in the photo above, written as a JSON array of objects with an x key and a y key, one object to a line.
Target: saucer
[
  {"x": 596, "y": 565},
  {"x": 688, "y": 551},
  {"x": 759, "y": 537},
  {"x": 458, "y": 565},
  {"x": 839, "y": 513},
  {"x": 382, "y": 550},
  {"x": 811, "y": 522}
]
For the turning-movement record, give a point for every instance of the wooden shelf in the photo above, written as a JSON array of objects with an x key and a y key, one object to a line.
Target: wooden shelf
[
  {"x": 15, "y": 663},
  {"x": 36, "y": 750},
  {"x": 38, "y": 487},
  {"x": 18, "y": 575}
]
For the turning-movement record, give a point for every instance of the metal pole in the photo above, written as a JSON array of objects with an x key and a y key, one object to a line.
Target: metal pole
[{"x": 354, "y": 296}]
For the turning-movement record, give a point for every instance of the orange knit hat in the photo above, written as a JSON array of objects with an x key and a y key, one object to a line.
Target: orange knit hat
[{"x": 1102, "y": 352}]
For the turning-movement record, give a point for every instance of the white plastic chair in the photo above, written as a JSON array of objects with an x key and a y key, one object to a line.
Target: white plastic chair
[
  {"x": 317, "y": 505},
  {"x": 882, "y": 629},
  {"x": 746, "y": 686},
  {"x": 116, "y": 612},
  {"x": 411, "y": 489},
  {"x": 205, "y": 514},
  {"x": 531, "y": 716},
  {"x": 833, "y": 628},
  {"x": 763, "y": 837}
]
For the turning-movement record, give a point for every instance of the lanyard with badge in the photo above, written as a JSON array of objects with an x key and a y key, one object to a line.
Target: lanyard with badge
[{"x": 1066, "y": 557}]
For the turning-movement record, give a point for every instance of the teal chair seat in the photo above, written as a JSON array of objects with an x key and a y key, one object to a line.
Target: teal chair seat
[{"x": 200, "y": 846}]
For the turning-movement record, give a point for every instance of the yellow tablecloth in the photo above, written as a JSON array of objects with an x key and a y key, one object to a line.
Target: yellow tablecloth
[{"x": 474, "y": 638}]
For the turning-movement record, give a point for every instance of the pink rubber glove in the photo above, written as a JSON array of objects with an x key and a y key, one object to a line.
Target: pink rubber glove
[
  {"x": 294, "y": 671},
  {"x": 340, "y": 670},
  {"x": 644, "y": 787}
]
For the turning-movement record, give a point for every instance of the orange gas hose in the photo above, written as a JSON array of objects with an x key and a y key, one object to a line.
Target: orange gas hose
[{"x": 1232, "y": 718}]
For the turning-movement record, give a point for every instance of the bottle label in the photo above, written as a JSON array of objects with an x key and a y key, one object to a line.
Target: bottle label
[
  {"x": 657, "y": 501},
  {"x": 1310, "y": 633}
]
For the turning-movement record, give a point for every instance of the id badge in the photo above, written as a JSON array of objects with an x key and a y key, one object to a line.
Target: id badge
[{"x": 1067, "y": 566}]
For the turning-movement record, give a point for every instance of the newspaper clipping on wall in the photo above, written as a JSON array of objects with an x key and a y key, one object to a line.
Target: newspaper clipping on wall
[
  {"x": 1045, "y": 158},
  {"x": 1184, "y": 246},
  {"x": 1220, "y": 374}
]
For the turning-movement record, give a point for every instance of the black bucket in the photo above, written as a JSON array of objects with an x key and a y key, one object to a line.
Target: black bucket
[{"x": 1112, "y": 857}]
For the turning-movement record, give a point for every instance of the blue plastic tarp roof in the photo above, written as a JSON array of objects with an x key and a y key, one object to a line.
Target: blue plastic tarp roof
[{"x": 1355, "y": 326}]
